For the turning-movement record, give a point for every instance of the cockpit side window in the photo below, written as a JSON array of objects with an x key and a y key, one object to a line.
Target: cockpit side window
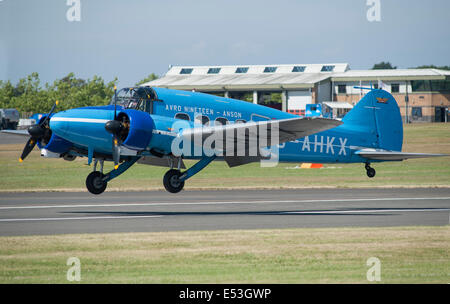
[{"x": 139, "y": 98}]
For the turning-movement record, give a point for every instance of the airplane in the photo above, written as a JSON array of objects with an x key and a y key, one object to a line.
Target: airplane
[{"x": 162, "y": 127}]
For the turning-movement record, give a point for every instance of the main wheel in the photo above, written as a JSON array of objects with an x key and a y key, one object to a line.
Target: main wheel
[
  {"x": 371, "y": 172},
  {"x": 172, "y": 181},
  {"x": 95, "y": 183}
]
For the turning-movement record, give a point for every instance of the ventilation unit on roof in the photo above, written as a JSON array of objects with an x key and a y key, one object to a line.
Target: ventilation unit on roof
[
  {"x": 327, "y": 68},
  {"x": 186, "y": 71},
  {"x": 242, "y": 70},
  {"x": 298, "y": 69}
]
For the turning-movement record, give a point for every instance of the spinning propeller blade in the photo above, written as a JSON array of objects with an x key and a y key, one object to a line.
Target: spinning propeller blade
[{"x": 37, "y": 132}]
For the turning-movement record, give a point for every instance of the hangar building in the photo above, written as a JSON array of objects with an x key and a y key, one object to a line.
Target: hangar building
[{"x": 422, "y": 94}]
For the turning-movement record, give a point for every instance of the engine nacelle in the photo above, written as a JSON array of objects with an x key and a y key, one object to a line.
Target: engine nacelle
[
  {"x": 138, "y": 129},
  {"x": 53, "y": 143}
]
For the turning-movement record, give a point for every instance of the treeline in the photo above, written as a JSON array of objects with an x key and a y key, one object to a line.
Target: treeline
[
  {"x": 29, "y": 95},
  {"x": 388, "y": 66}
]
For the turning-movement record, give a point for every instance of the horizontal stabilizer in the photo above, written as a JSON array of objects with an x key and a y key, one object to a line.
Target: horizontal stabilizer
[
  {"x": 393, "y": 155},
  {"x": 17, "y": 132}
]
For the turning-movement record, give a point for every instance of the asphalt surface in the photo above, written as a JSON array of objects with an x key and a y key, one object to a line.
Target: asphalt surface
[
  {"x": 61, "y": 213},
  {"x": 6, "y": 139}
]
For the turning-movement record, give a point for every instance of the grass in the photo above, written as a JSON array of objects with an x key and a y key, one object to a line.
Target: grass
[
  {"x": 407, "y": 255},
  {"x": 37, "y": 173}
]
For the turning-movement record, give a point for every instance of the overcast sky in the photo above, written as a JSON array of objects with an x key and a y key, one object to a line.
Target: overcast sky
[{"x": 133, "y": 38}]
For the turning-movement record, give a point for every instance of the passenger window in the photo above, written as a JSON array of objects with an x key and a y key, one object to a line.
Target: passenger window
[
  {"x": 183, "y": 116},
  {"x": 220, "y": 121},
  {"x": 202, "y": 119}
]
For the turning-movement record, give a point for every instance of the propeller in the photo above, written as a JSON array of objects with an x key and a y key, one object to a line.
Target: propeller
[
  {"x": 37, "y": 132},
  {"x": 115, "y": 127}
]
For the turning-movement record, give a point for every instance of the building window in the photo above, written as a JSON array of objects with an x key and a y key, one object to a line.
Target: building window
[
  {"x": 202, "y": 119},
  {"x": 342, "y": 89},
  {"x": 182, "y": 116},
  {"x": 186, "y": 71},
  {"x": 327, "y": 68},
  {"x": 242, "y": 70},
  {"x": 416, "y": 112},
  {"x": 421, "y": 85},
  {"x": 440, "y": 85},
  {"x": 220, "y": 121},
  {"x": 395, "y": 88},
  {"x": 298, "y": 69},
  {"x": 214, "y": 71},
  {"x": 270, "y": 69}
]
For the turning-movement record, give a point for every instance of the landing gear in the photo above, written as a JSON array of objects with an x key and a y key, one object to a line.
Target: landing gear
[
  {"x": 95, "y": 182},
  {"x": 172, "y": 181},
  {"x": 370, "y": 171}
]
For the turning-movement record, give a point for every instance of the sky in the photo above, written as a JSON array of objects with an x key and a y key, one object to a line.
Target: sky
[{"x": 129, "y": 39}]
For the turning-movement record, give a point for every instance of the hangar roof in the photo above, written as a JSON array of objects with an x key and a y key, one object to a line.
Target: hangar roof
[
  {"x": 400, "y": 74},
  {"x": 247, "y": 77},
  {"x": 279, "y": 77}
]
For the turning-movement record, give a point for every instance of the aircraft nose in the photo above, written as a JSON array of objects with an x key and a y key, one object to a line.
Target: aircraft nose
[
  {"x": 58, "y": 125},
  {"x": 83, "y": 126}
]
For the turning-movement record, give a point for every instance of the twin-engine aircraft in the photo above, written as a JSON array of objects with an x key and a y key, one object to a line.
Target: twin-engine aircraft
[{"x": 161, "y": 127}]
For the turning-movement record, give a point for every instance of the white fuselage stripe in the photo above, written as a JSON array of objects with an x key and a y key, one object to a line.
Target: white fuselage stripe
[{"x": 75, "y": 119}]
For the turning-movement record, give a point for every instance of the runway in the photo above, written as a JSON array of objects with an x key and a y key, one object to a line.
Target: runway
[{"x": 63, "y": 213}]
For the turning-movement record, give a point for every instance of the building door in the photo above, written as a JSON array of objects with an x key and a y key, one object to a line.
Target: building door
[
  {"x": 297, "y": 100},
  {"x": 439, "y": 114}
]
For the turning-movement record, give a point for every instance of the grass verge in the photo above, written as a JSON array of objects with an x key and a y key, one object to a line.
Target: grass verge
[{"x": 407, "y": 255}]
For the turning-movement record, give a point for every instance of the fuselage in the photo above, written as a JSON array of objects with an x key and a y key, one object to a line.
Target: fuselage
[{"x": 85, "y": 127}]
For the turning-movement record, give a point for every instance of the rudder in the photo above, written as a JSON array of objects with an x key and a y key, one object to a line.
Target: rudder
[{"x": 378, "y": 115}]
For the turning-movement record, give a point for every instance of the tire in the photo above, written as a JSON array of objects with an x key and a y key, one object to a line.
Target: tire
[
  {"x": 95, "y": 184},
  {"x": 371, "y": 172},
  {"x": 171, "y": 181}
]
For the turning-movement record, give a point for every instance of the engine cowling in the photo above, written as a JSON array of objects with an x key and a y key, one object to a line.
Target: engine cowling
[
  {"x": 138, "y": 129},
  {"x": 53, "y": 142}
]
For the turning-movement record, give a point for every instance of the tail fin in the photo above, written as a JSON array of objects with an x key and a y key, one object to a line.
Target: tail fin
[{"x": 378, "y": 115}]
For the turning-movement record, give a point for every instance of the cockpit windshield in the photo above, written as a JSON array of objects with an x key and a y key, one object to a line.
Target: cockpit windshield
[{"x": 137, "y": 98}]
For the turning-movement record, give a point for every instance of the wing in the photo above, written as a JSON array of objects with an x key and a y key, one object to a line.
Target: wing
[
  {"x": 154, "y": 161},
  {"x": 393, "y": 155},
  {"x": 17, "y": 132},
  {"x": 239, "y": 143},
  {"x": 288, "y": 129}
]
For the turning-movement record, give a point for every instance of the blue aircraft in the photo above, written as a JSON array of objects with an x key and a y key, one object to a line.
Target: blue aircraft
[{"x": 161, "y": 127}]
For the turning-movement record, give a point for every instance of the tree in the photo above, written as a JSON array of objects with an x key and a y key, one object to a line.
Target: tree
[
  {"x": 431, "y": 66},
  {"x": 150, "y": 77},
  {"x": 29, "y": 96},
  {"x": 383, "y": 66}
]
